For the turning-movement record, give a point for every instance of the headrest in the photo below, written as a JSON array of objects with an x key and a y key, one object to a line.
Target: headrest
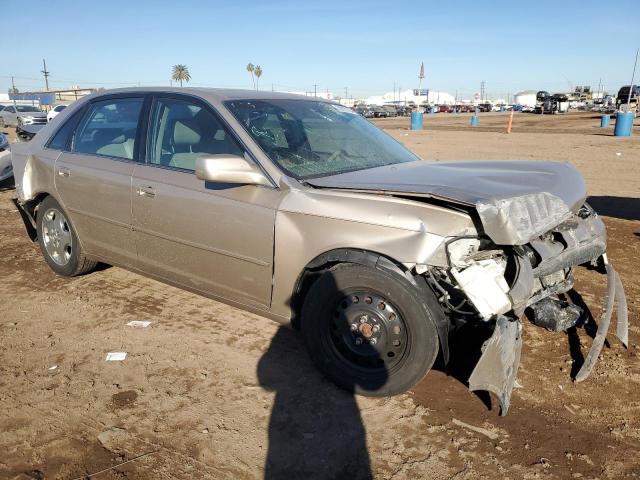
[{"x": 184, "y": 133}]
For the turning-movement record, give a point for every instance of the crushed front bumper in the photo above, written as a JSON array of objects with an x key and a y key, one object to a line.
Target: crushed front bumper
[
  {"x": 497, "y": 368},
  {"x": 580, "y": 240}
]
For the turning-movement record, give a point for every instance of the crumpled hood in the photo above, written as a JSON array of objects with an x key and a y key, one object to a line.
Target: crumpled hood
[{"x": 516, "y": 200}]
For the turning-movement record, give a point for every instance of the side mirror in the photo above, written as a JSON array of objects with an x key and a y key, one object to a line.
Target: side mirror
[{"x": 226, "y": 168}]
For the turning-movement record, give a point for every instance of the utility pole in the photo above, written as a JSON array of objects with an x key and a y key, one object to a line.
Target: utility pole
[
  {"x": 315, "y": 90},
  {"x": 13, "y": 86},
  {"x": 483, "y": 86},
  {"x": 346, "y": 94},
  {"x": 46, "y": 74}
]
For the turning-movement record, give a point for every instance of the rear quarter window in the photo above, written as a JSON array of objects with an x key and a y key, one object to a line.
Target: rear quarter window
[{"x": 61, "y": 140}]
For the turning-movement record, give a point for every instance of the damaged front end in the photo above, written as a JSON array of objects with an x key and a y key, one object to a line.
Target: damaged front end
[{"x": 524, "y": 259}]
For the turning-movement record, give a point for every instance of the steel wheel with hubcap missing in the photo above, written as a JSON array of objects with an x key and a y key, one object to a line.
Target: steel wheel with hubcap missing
[{"x": 370, "y": 330}]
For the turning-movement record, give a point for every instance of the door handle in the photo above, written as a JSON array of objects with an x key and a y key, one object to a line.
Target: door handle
[
  {"x": 145, "y": 191},
  {"x": 64, "y": 172}
]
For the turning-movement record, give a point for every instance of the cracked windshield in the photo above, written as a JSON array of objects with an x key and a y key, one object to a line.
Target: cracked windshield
[{"x": 313, "y": 139}]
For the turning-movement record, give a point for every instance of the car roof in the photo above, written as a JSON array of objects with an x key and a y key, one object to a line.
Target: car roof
[{"x": 216, "y": 94}]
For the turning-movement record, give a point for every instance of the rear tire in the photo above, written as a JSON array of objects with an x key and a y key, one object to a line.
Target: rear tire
[
  {"x": 58, "y": 241},
  {"x": 369, "y": 331}
]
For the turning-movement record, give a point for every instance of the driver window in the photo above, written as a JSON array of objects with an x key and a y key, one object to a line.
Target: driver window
[{"x": 181, "y": 131}]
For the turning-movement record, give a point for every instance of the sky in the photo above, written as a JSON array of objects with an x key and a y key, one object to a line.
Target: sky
[{"x": 366, "y": 46}]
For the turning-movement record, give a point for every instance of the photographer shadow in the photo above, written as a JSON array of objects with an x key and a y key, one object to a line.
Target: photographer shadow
[{"x": 315, "y": 427}]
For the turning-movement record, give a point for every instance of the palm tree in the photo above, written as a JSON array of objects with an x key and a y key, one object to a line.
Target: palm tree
[
  {"x": 180, "y": 73},
  {"x": 258, "y": 72},
  {"x": 251, "y": 69}
]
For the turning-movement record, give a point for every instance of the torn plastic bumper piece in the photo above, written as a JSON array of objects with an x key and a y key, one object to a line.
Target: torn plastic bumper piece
[
  {"x": 615, "y": 294},
  {"x": 498, "y": 366}
]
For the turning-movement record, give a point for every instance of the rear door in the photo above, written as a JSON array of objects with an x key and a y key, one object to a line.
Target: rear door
[
  {"x": 213, "y": 238},
  {"x": 93, "y": 176}
]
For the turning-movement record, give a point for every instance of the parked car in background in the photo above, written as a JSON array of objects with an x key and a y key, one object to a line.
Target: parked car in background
[
  {"x": 6, "y": 168},
  {"x": 55, "y": 111},
  {"x": 365, "y": 111},
  {"x": 392, "y": 110},
  {"x": 624, "y": 97},
  {"x": 21, "y": 115},
  {"x": 301, "y": 210},
  {"x": 404, "y": 110},
  {"x": 485, "y": 107},
  {"x": 26, "y": 133},
  {"x": 445, "y": 108},
  {"x": 378, "y": 111}
]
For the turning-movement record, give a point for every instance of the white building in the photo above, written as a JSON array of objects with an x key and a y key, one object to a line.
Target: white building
[
  {"x": 408, "y": 96},
  {"x": 525, "y": 98}
]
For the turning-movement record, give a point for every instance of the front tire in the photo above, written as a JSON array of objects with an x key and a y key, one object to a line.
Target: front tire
[
  {"x": 368, "y": 330},
  {"x": 58, "y": 241}
]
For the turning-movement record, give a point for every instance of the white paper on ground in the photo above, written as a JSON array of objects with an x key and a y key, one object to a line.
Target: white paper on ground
[
  {"x": 116, "y": 356},
  {"x": 139, "y": 323}
]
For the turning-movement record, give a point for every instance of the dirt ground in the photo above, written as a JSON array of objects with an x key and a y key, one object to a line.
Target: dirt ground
[{"x": 209, "y": 391}]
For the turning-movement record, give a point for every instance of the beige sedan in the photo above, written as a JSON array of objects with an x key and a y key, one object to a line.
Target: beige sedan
[{"x": 301, "y": 210}]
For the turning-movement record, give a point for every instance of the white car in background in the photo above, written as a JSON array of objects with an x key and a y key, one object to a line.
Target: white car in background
[
  {"x": 6, "y": 168},
  {"x": 55, "y": 111},
  {"x": 17, "y": 115}
]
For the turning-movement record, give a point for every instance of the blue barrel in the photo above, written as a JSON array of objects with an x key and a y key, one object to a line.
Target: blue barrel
[
  {"x": 474, "y": 121},
  {"x": 604, "y": 121},
  {"x": 624, "y": 124},
  {"x": 416, "y": 121}
]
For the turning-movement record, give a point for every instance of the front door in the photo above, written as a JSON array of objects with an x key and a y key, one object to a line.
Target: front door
[
  {"x": 93, "y": 179},
  {"x": 213, "y": 238}
]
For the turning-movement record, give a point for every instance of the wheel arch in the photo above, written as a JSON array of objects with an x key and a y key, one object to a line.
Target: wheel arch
[
  {"x": 324, "y": 261},
  {"x": 29, "y": 211}
]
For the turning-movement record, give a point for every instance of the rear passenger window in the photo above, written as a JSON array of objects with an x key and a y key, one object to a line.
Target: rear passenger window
[
  {"x": 181, "y": 131},
  {"x": 109, "y": 128},
  {"x": 62, "y": 138}
]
